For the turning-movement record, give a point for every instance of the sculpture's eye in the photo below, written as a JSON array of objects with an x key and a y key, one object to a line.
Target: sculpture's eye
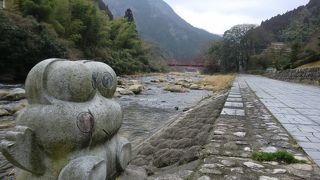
[
  {"x": 104, "y": 78},
  {"x": 107, "y": 80},
  {"x": 69, "y": 81}
]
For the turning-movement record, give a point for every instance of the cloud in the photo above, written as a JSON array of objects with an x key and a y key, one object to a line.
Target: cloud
[{"x": 217, "y": 16}]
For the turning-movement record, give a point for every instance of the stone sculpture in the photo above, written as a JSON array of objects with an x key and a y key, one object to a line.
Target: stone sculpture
[{"x": 69, "y": 129}]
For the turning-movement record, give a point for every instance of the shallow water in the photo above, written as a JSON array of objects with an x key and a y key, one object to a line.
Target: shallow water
[{"x": 146, "y": 113}]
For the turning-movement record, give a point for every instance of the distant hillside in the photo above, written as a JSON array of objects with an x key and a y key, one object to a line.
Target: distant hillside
[
  {"x": 299, "y": 29},
  {"x": 299, "y": 24},
  {"x": 158, "y": 23}
]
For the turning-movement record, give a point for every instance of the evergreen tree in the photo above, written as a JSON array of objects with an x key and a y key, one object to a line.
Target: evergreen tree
[{"x": 129, "y": 15}]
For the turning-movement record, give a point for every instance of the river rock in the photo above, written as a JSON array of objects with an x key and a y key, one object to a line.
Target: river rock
[
  {"x": 3, "y": 93},
  {"x": 136, "y": 88},
  {"x": 208, "y": 88},
  {"x": 4, "y": 112},
  {"x": 183, "y": 83},
  {"x": 16, "y": 107},
  {"x": 123, "y": 91},
  {"x": 133, "y": 82},
  {"x": 194, "y": 87},
  {"x": 175, "y": 88},
  {"x": 15, "y": 94},
  {"x": 162, "y": 79}
]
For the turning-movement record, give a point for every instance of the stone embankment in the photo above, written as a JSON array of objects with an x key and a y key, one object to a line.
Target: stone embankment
[{"x": 307, "y": 75}]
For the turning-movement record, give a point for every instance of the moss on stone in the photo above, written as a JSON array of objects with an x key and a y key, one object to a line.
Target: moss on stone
[{"x": 279, "y": 156}]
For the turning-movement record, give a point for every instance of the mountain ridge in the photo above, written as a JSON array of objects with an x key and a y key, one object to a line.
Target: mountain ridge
[{"x": 157, "y": 22}]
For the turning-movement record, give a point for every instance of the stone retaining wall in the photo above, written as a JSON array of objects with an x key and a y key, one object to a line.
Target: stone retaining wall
[{"x": 310, "y": 75}]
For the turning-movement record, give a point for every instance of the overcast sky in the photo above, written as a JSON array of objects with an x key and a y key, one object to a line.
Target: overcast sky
[{"x": 217, "y": 16}]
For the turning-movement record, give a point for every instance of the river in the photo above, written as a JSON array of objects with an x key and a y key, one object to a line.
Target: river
[{"x": 146, "y": 113}]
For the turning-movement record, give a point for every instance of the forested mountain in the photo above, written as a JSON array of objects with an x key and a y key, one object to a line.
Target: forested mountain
[
  {"x": 300, "y": 24},
  {"x": 284, "y": 41},
  {"x": 157, "y": 22},
  {"x": 33, "y": 30}
]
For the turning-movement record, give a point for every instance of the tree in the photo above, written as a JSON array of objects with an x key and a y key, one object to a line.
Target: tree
[
  {"x": 129, "y": 15},
  {"x": 295, "y": 50},
  {"x": 235, "y": 56},
  {"x": 213, "y": 57}
]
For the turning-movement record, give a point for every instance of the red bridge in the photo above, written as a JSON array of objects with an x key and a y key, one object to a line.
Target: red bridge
[
  {"x": 190, "y": 64},
  {"x": 186, "y": 65}
]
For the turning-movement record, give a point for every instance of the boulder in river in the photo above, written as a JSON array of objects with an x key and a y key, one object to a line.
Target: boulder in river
[
  {"x": 3, "y": 93},
  {"x": 162, "y": 79},
  {"x": 175, "y": 88},
  {"x": 195, "y": 87},
  {"x": 4, "y": 112},
  {"x": 123, "y": 91},
  {"x": 136, "y": 88},
  {"x": 208, "y": 88},
  {"x": 183, "y": 83},
  {"x": 13, "y": 94},
  {"x": 12, "y": 108}
]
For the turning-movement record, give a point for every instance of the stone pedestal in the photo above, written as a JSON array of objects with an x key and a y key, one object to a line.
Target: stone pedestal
[{"x": 69, "y": 130}]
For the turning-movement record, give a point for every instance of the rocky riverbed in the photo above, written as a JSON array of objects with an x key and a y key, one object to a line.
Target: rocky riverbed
[{"x": 155, "y": 105}]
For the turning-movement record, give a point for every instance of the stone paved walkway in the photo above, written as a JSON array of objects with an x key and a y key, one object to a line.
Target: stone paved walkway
[{"x": 296, "y": 106}]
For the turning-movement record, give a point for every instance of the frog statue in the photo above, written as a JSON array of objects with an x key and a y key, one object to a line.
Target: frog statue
[{"x": 69, "y": 129}]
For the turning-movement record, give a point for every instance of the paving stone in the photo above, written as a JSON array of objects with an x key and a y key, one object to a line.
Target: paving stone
[
  {"x": 314, "y": 154},
  {"x": 204, "y": 178},
  {"x": 267, "y": 178},
  {"x": 217, "y": 132},
  {"x": 237, "y": 170},
  {"x": 234, "y": 104},
  {"x": 228, "y": 163},
  {"x": 234, "y": 99},
  {"x": 303, "y": 167},
  {"x": 310, "y": 145},
  {"x": 269, "y": 149},
  {"x": 232, "y": 112},
  {"x": 253, "y": 165},
  {"x": 279, "y": 171},
  {"x": 240, "y": 134},
  {"x": 233, "y": 95}
]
